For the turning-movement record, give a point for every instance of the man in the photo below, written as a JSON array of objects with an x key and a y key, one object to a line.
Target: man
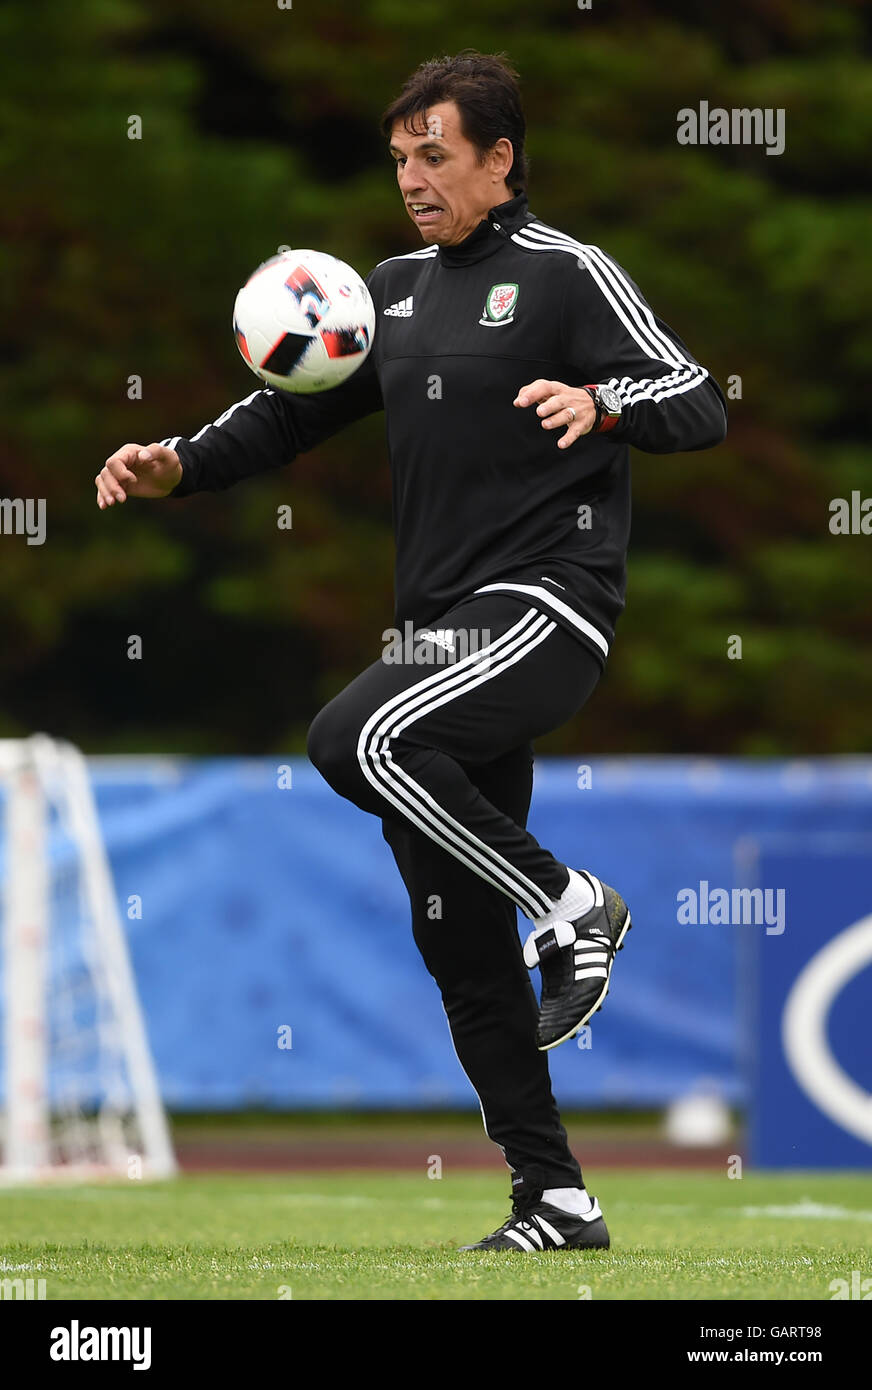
[{"x": 515, "y": 366}]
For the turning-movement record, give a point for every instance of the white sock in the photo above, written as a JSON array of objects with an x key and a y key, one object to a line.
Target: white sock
[
  {"x": 571, "y": 1199},
  {"x": 576, "y": 899}
]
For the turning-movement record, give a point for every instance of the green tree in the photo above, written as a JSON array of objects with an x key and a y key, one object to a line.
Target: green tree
[{"x": 259, "y": 126}]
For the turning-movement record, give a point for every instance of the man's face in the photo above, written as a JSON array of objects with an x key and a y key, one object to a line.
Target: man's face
[{"x": 445, "y": 189}]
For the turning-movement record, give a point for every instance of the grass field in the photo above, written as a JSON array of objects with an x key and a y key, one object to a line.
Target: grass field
[{"x": 395, "y": 1236}]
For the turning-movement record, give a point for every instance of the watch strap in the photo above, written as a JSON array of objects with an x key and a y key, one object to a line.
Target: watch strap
[{"x": 594, "y": 395}]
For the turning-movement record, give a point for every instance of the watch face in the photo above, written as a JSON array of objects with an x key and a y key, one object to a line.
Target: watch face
[{"x": 610, "y": 399}]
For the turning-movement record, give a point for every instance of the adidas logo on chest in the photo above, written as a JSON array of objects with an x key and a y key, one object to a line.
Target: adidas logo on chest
[{"x": 403, "y": 309}]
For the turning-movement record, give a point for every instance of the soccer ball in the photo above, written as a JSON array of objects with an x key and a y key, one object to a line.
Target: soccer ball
[{"x": 304, "y": 321}]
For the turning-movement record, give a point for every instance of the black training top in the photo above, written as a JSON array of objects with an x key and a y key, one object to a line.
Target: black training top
[{"x": 483, "y": 498}]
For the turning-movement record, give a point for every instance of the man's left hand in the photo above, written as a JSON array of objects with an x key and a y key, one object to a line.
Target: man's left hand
[{"x": 556, "y": 404}]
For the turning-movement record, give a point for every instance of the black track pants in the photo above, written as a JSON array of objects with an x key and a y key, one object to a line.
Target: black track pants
[{"x": 441, "y": 752}]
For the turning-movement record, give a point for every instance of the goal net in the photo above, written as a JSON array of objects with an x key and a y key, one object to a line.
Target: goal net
[{"x": 78, "y": 1090}]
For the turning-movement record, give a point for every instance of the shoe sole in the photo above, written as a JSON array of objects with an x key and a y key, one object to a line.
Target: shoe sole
[
  {"x": 598, "y": 1003},
  {"x": 516, "y": 1249}
]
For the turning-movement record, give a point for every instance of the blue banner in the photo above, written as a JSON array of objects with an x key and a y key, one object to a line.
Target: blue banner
[{"x": 271, "y": 940}]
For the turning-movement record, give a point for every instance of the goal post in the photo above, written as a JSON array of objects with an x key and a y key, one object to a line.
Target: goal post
[{"x": 78, "y": 1090}]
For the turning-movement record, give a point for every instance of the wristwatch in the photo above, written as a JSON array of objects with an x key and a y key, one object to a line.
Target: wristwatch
[{"x": 607, "y": 404}]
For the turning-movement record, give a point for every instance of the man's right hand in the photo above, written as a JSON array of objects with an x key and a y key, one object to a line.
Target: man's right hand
[{"x": 138, "y": 470}]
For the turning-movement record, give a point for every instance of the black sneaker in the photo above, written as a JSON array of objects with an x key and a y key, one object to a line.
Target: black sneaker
[
  {"x": 536, "y": 1225},
  {"x": 576, "y": 960}
]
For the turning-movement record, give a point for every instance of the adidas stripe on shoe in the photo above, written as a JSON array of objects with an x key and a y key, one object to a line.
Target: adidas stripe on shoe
[{"x": 576, "y": 960}]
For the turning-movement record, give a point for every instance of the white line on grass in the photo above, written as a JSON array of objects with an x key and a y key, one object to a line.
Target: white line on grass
[{"x": 805, "y": 1209}]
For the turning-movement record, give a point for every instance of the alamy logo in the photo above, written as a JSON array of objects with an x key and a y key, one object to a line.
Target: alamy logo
[
  {"x": 22, "y": 1288},
  {"x": 740, "y": 125},
  {"x": 23, "y": 516},
  {"x": 858, "y": 1288},
  {"x": 741, "y": 907},
  {"x": 75, "y": 1343},
  {"x": 851, "y": 518},
  {"x": 434, "y": 646},
  {"x": 403, "y": 309}
]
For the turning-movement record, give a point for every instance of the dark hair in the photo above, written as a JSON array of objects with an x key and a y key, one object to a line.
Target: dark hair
[{"x": 485, "y": 88}]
